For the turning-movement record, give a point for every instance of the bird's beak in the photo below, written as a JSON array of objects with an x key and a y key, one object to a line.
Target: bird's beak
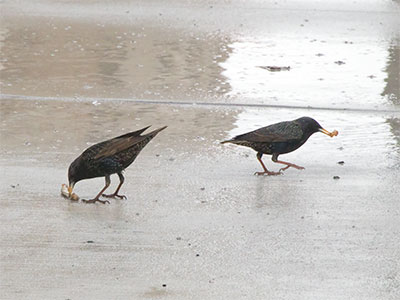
[
  {"x": 70, "y": 188},
  {"x": 331, "y": 134}
]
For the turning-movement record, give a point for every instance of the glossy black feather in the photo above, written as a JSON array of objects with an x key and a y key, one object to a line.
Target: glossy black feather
[
  {"x": 111, "y": 156},
  {"x": 279, "y": 138}
]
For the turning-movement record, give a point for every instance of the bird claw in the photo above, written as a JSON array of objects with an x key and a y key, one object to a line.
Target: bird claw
[
  {"x": 115, "y": 196},
  {"x": 268, "y": 173},
  {"x": 95, "y": 200}
]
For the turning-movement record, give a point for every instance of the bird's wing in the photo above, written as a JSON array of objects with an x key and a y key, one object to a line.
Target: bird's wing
[
  {"x": 279, "y": 132},
  {"x": 116, "y": 145}
]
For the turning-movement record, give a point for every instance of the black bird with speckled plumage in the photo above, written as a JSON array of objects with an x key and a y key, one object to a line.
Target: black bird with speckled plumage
[
  {"x": 279, "y": 138},
  {"x": 109, "y": 157}
]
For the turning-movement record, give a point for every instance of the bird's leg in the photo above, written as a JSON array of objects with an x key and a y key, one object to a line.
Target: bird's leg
[
  {"x": 96, "y": 199},
  {"x": 259, "y": 155},
  {"x": 288, "y": 164},
  {"x": 121, "y": 181}
]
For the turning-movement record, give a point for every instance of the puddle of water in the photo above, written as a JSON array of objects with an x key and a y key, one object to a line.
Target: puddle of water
[
  {"x": 338, "y": 58},
  {"x": 323, "y": 73},
  {"x": 60, "y": 58}
]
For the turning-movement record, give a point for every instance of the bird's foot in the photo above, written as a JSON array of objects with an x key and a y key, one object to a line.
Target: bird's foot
[
  {"x": 115, "y": 196},
  {"x": 95, "y": 200},
  {"x": 268, "y": 173}
]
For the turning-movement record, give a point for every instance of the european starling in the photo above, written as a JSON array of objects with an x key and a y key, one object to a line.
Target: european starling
[
  {"x": 107, "y": 158},
  {"x": 279, "y": 138}
]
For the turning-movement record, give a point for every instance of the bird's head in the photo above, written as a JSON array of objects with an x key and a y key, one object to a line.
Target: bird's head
[
  {"x": 311, "y": 126},
  {"x": 74, "y": 174}
]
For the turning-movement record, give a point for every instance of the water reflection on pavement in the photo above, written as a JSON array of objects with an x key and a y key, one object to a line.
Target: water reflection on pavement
[{"x": 197, "y": 224}]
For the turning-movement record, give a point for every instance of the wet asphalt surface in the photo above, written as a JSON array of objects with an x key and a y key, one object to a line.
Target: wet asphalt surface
[{"x": 197, "y": 223}]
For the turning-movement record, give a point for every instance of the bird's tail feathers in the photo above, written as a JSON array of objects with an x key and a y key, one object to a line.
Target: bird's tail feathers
[
  {"x": 229, "y": 141},
  {"x": 154, "y": 132},
  {"x": 133, "y": 133},
  {"x": 140, "y": 131}
]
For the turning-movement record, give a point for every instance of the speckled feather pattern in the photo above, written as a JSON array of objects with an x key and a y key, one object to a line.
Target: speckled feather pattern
[
  {"x": 117, "y": 162},
  {"x": 279, "y": 138},
  {"x": 112, "y": 156}
]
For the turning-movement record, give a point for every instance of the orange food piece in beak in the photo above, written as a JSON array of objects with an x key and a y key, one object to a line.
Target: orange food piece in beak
[{"x": 331, "y": 134}]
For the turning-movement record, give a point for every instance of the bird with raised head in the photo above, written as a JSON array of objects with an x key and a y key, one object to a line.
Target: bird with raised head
[
  {"x": 109, "y": 157},
  {"x": 280, "y": 138}
]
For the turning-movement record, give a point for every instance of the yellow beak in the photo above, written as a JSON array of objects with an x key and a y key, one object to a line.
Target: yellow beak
[{"x": 331, "y": 134}]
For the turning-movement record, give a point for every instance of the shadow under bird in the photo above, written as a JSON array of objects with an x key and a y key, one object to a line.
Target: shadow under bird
[
  {"x": 109, "y": 157},
  {"x": 280, "y": 138}
]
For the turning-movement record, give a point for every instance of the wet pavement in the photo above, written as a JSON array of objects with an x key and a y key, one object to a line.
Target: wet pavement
[{"x": 197, "y": 223}]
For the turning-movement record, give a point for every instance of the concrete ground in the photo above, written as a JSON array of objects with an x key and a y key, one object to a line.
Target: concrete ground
[{"x": 197, "y": 223}]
